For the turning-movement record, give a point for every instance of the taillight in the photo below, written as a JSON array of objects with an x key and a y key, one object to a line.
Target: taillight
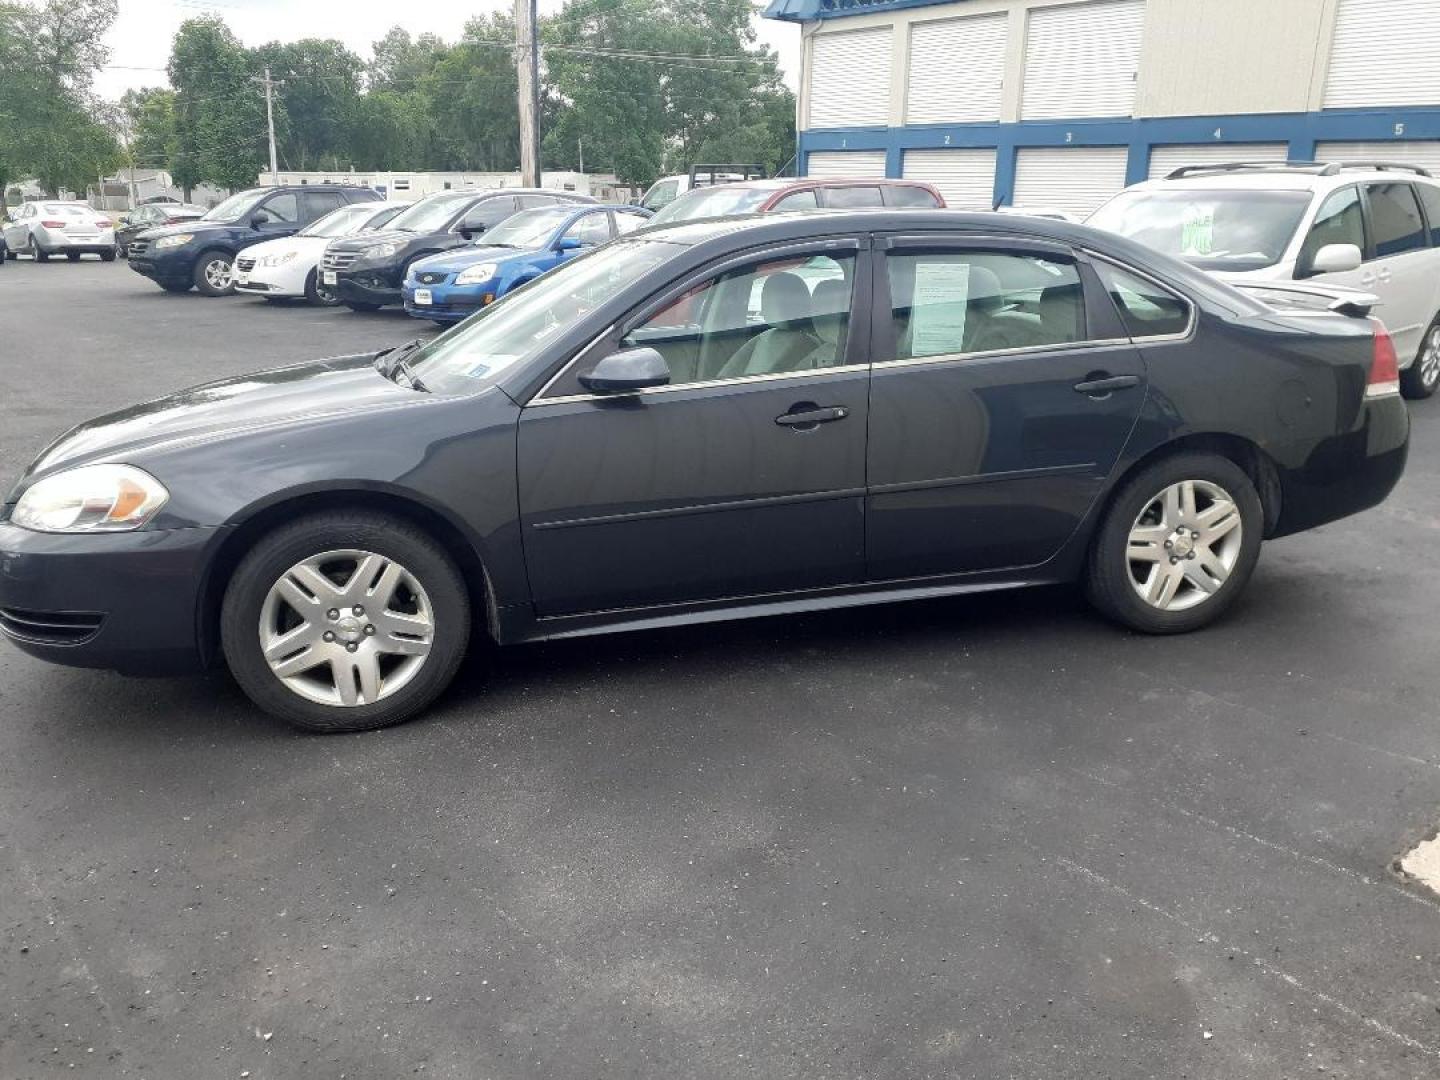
[
  {"x": 102, "y": 223},
  {"x": 53, "y": 224},
  {"x": 1384, "y": 365}
]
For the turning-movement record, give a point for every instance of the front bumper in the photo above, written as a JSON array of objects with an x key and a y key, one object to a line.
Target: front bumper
[
  {"x": 368, "y": 286},
  {"x": 168, "y": 267},
  {"x": 448, "y": 302},
  {"x": 125, "y": 601}
]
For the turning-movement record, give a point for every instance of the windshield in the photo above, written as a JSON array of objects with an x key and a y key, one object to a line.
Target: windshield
[
  {"x": 1213, "y": 230},
  {"x": 339, "y": 222},
  {"x": 510, "y": 331},
  {"x": 713, "y": 202},
  {"x": 237, "y": 206},
  {"x": 529, "y": 228},
  {"x": 432, "y": 214}
]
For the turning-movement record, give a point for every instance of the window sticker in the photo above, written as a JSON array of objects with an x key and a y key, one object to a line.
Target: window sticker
[
  {"x": 938, "y": 308},
  {"x": 1197, "y": 236}
]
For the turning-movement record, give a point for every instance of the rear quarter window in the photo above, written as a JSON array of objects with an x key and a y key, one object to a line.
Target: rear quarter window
[{"x": 911, "y": 196}]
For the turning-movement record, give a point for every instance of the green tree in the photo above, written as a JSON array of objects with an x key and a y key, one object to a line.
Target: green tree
[
  {"x": 149, "y": 120},
  {"x": 219, "y": 109},
  {"x": 400, "y": 63},
  {"x": 321, "y": 88},
  {"x": 472, "y": 96}
]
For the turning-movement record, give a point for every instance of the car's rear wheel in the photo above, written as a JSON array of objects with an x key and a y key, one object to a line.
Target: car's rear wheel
[
  {"x": 215, "y": 273},
  {"x": 38, "y": 253},
  {"x": 1177, "y": 545},
  {"x": 1422, "y": 378},
  {"x": 73, "y": 256},
  {"x": 107, "y": 256},
  {"x": 345, "y": 622}
]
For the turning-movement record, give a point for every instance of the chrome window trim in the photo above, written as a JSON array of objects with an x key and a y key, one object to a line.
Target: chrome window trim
[
  {"x": 1098, "y": 345},
  {"x": 773, "y": 376},
  {"x": 1156, "y": 339}
]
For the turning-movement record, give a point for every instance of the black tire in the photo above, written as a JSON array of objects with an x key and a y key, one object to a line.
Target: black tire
[
  {"x": 175, "y": 287},
  {"x": 205, "y": 277},
  {"x": 355, "y": 305},
  {"x": 1422, "y": 378},
  {"x": 73, "y": 256},
  {"x": 279, "y": 551},
  {"x": 1110, "y": 582},
  {"x": 38, "y": 253},
  {"x": 107, "y": 256},
  {"x": 318, "y": 295}
]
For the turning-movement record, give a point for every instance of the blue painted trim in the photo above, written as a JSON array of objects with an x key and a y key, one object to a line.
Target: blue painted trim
[
  {"x": 1301, "y": 131},
  {"x": 809, "y": 10}
]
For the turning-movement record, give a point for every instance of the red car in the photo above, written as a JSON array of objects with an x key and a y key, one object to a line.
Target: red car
[{"x": 788, "y": 193}]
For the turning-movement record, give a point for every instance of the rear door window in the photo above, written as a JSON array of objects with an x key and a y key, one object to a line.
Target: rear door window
[
  {"x": 955, "y": 302},
  {"x": 320, "y": 203},
  {"x": 845, "y": 198},
  {"x": 1147, "y": 310},
  {"x": 902, "y": 195},
  {"x": 1395, "y": 219}
]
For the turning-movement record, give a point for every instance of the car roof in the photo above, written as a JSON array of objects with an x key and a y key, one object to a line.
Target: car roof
[{"x": 1283, "y": 176}]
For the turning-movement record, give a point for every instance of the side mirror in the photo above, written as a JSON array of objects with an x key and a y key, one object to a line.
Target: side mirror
[
  {"x": 1336, "y": 259},
  {"x": 568, "y": 243},
  {"x": 629, "y": 369},
  {"x": 260, "y": 218}
]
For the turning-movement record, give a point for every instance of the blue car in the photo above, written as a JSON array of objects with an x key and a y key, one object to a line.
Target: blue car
[{"x": 446, "y": 288}]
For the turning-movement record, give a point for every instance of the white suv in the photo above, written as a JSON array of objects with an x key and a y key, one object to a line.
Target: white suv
[{"x": 1373, "y": 226}]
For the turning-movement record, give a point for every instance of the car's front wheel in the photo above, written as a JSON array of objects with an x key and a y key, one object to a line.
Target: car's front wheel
[
  {"x": 214, "y": 273},
  {"x": 345, "y": 622},
  {"x": 1422, "y": 378},
  {"x": 1177, "y": 545},
  {"x": 318, "y": 293}
]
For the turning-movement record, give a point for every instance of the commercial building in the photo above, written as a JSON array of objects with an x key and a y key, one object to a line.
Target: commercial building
[
  {"x": 1060, "y": 104},
  {"x": 409, "y": 186}
]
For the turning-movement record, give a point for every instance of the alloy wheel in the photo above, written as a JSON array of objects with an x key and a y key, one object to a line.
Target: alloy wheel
[
  {"x": 346, "y": 628},
  {"x": 218, "y": 274},
  {"x": 1184, "y": 544},
  {"x": 1430, "y": 359}
]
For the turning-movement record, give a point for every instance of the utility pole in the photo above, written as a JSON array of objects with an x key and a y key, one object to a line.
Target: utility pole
[
  {"x": 270, "y": 85},
  {"x": 527, "y": 71}
]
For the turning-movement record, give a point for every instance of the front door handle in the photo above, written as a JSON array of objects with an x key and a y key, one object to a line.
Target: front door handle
[
  {"x": 1101, "y": 385},
  {"x": 807, "y": 416}
]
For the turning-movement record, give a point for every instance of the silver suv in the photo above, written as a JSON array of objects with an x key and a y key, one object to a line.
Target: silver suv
[{"x": 1368, "y": 225}]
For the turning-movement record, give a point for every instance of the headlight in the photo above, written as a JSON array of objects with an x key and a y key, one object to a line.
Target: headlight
[
  {"x": 92, "y": 498},
  {"x": 174, "y": 241},
  {"x": 476, "y": 275},
  {"x": 379, "y": 251}
]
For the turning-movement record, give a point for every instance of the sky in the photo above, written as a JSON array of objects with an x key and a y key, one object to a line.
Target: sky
[{"x": 140, "y": 38}]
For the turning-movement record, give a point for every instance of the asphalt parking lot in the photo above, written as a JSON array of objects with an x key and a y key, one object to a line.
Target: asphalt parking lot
[{"x": 978, "y": 838}]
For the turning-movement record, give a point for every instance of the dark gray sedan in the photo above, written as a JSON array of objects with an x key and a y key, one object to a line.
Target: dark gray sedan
[{"x": 710, "y": 421}]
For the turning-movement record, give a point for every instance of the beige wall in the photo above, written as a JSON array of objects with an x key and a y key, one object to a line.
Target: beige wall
[
  {"x": 1232, "y": 56},
  {"x": 1198, "y": 57}
]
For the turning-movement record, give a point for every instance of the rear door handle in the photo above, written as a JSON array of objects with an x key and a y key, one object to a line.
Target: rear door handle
[
  {"x": 1103, "y": 385},
  {"x": 810, "y": 417}
]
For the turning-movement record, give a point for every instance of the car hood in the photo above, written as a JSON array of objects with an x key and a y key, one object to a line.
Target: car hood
[
  {"x": 195, "y": 226},
  {"x": 303, "y": 245},
  {"x": 460, "y": 258},
  {"x": 302, "y": 393},
  {"x": 361, "y": 241}
]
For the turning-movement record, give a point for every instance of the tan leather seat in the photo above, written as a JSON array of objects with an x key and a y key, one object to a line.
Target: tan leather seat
[{"x": 785, "y": 305}]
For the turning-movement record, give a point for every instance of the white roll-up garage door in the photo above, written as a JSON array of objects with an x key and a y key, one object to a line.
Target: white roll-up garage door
[
  {"x": 1384, "y": 53},
  {"x": 1081, "y": 60},
  {"x": 843, "y": 164},
  {"x": 1166, "y": 159},
  {"x": 956, "y": 68},
  {"x": 1406, "y": 152},
  {"x": 850, "y": 78},
  {"x": 966, "y": 178},
  {"x": 1076, "y": 179}
]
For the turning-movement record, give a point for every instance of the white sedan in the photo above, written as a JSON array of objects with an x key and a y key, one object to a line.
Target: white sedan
[
  {"x": 52, "y": 227},
  {"x": 287, "y": 268}
]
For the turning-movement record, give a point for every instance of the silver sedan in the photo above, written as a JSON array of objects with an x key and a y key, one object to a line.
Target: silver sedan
[{"x": 43, "y": 229}]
